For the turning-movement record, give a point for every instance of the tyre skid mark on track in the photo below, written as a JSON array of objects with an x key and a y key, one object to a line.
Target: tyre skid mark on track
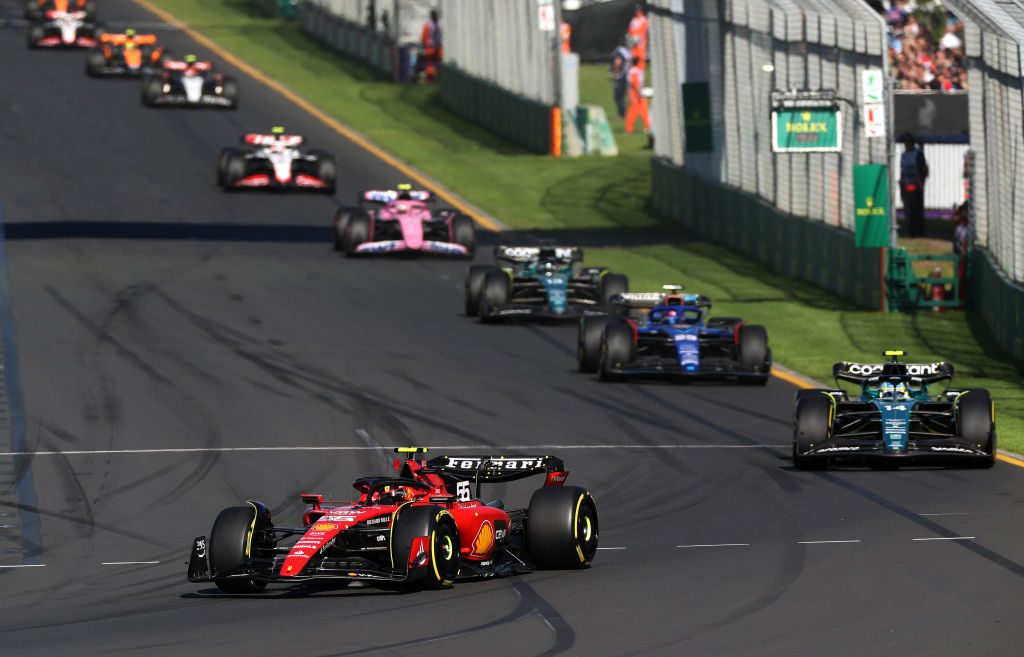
[
  {"x": 69, "y": 517},
  {"x": 983, "y": 552}
]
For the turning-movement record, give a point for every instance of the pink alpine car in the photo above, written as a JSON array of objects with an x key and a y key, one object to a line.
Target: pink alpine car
[{"x": 389, "y": 221}]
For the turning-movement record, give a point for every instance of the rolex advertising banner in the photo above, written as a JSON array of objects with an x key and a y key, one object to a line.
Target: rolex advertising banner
[
  {"x": 871, "y": 196},
  {"x": 806, "y": 129}
]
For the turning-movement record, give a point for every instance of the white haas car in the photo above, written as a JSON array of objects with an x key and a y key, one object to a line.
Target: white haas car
[
  {"x": 189, "y": 82},
  {"x": 62, "y": 29},
  {"x": 276, "y": 161},
  {"x": 402, "y": 220}
]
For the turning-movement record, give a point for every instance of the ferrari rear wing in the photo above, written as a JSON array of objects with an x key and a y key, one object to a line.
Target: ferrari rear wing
[
  {"x": 498, "y": 469},
  {"x": 917, "y": 372},
  {"x": 530, "y": 253}
]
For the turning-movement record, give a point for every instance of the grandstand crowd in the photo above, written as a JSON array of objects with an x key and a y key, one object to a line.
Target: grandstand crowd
[{"x": 926, "y": 46}]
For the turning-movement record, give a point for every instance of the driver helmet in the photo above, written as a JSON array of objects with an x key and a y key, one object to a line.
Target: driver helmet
[
  {"x": 673, "y": 317},
  {"x": 902, "y": 391},
  {"x": 190, "y": 59},
  {"x": 392, "y": 496},
  {"x": 405, "y": 192},
  {"x": 130, "y": 32},
  {"x": 886, "y": 390}
]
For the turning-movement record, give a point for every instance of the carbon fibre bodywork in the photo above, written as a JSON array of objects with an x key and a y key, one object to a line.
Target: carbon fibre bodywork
[
  {"x": 894, "y": 418},
  {"x": 390, "y": 533}
]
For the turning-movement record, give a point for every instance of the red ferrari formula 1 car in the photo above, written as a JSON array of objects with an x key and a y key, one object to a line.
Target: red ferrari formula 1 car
[
  {"x": 391, "y": 221},
  {"x": 61, "y": 25},
  {"x": 424, "y": 527}
]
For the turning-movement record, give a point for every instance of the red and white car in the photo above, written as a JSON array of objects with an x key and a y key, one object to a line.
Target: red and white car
[
  {"x": 425, "y": 527},
  {"x": 391, "y": 221},
  {"x": 62, "y": 26},
  {"x": 276, "y": 161}
]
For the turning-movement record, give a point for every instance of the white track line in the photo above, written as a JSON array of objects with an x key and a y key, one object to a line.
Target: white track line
[
  {"x": 359, "y": 448},
  {"x": 945, "y": 538},
  {"x": 611, "y": 548},
  {"x": 855, "y": 540},
  {"x": 26, "y": 565}
]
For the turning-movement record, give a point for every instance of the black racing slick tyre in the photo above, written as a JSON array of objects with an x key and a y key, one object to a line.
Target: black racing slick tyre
[
  {"x": 812, "y": 425},
  {"x": 95, "y": 62},
  {"x": 438, "y": 565},
  {"x": 357, "y": 231},
  {"x": 341, "y": 219},
  {"x": 35, "y": 33},
  {"x": 222, "y": 165},
  {"x": 230, "y": 91},
  {"x": 612, "y": 285},
  {"x": 234, "y": 170},
  {"x": 562, "y": 528},
  {"x": 464, "y": 233},
  {"x": 588, "y": 347},
  {"x": 230, "y": 545},
  {"x": 152, "y": 88},
  {"x": 617, "y": 350},
  {"x": 475, "y": 287},
  {"x": 975, "y": 424},
  {"x": 493, "y": 295},
  {"x": 754, "y": 353},
  {"x": 327, "y": 171}
]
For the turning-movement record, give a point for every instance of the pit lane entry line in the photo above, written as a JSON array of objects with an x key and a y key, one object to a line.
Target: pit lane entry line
[{"x": 324, "y": 118}]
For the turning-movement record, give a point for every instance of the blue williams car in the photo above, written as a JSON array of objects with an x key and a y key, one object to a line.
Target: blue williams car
[
  {"x": 894, "y": 419},
  {"x": 668, "y": 335},
  {"x": 540, "y": 282}
]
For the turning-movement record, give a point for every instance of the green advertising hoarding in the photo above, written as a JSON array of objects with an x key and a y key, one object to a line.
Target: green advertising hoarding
[
  {"x": 806, "y": 129},
  {"x": 871, "y": 198},
  {"x": 697, "y": 116}
]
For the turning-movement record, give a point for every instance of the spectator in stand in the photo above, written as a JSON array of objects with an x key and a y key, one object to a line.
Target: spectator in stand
[{"x": 925, "y": 47}]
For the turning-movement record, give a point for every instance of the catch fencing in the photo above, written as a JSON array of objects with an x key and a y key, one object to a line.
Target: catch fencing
[
  {"x": 745, "y": 50},
  {"x": 994, "y": 44}
]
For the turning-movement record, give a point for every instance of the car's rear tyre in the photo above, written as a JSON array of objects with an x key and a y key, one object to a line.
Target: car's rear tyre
[
  {"x": 441, "y": 566},
  {"x": 811, "y": 427},
  {"x": 234, "y": 170},
  {"x": 475, "y": 287},
  {"x": 588, "y": 347},
  {"x": 35, "y": 33},
  {"x": 230, "y": 546},
  {"x": 722, "y": 323},
  {"x": 975, "y": 425},
  {"x": 357, "y": 231},
  {"x": 31, "y": 9},
  {"x": 230, "y": 91},
  {"x": 617, "y": 349},
  {"x": 151, "y": 89},
  {"x": 90, "y": 11},
  {"x": 754, "y": 353},
  {"x": 463, "y": 232},
  {"x": 95, "y": 62},
  {"x": 562, "y": 528},
  {"x": 493, "y": 295},
  {"x": 611, "y": 285},
  {"x": 341, "y": 219},
  {"x": 327, "y": 171}
]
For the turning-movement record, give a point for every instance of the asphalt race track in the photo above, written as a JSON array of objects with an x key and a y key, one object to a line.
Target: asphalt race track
[{"x": 179, "y": 349}]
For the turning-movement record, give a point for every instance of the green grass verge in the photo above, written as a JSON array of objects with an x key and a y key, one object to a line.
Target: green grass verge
[{"x": 603, "y": 203}]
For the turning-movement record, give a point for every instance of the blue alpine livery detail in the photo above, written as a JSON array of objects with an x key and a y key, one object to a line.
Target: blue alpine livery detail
[
  {"x": 667, "y": 334},
  {"x": 893, "y": 417},
  {"x": 540, "y": 282}
]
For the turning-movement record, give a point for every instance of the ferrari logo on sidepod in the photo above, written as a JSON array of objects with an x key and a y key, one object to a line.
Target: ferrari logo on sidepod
[{"x": 484, "y": 540}]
